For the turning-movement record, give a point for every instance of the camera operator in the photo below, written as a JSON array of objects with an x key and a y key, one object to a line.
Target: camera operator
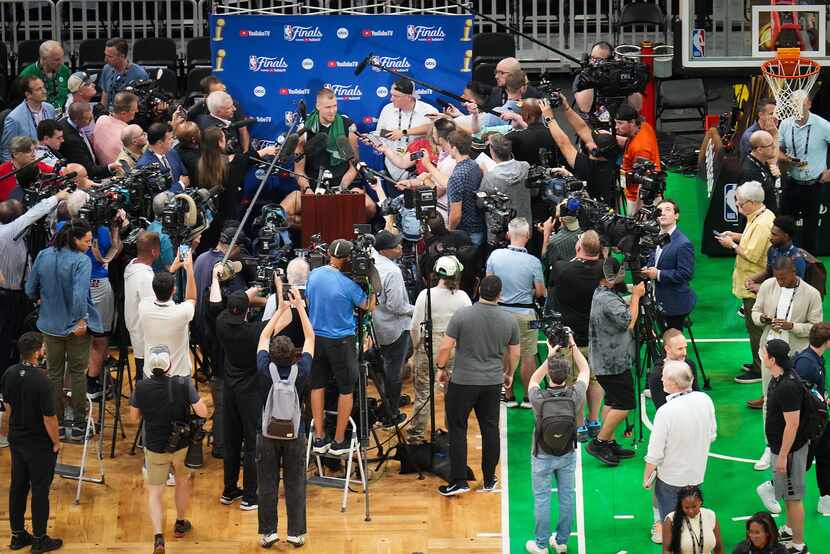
[
  {"x": 482, "y": 336},
  {"x": 167, "y": 254},
  {"x": 766, "y": 122},
  {"x": 50, "y": 139},
  {"x": 138, "y": 286},
  {"x": 22, "y": 154},
  {"x": 561, "y": 245},
  {"x": 118, "y": 71},
  {"x": 522, "y": 281},
  {"x": 571, "y": 289},
  {"x": 392, "y": 318},
  {"x": 277, "y": 358},
  {"x": 611, "y": 349},
  {"x": 672, "y": 270},
  {"x": 77, "y": 144},
  {"x": 163, "y": 321},
  {"x": 597, "y": 164},
  {"x": 160, "y": 150},
  {"x": 108, "y": 128},
  {"x": 462, "y": 187},
  {"x": 508, "y": 176},
  {"x": 60, "y": 280},
  {"x": 14, "y": 258},
  {"x": 207, "y": 86},
  {"x": 640, "y": 141},
  {"x": 511, "y": 84},
  {"x": 441, "y": 242},
  {"x": 34, "y": 443},
  {"x": 133, "y": 144},
  {"x": 332, "y": 299},
  {"x": 165, "y": 400},
  {"x": 587, "y": 100},
  {"x": 760, "y": 165},
  {"x": 296, "y": 275},
  {"x": 23, "y": 120},
  {"x": 535, "y": 136}
]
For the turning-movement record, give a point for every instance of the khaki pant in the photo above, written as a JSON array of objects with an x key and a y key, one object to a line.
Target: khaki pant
[
  {"x": 420, "y": 382},
  {"x": 69, "y": 354},
  {"x": 158, "y": 465}
]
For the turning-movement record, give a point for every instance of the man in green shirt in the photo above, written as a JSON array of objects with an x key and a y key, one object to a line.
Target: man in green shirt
[{"x": 52, "y": 71}]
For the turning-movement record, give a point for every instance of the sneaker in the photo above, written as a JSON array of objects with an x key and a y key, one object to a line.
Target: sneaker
[
  {"x": 489, "y": 485},
  {"x": 593, "y": 428},
  {"x": 763, "y": 462},
  {"x": 582, "y": 434},
  {"x": 824, "y": 505},
  {"x": 45, "y": 544},
  {"x": 657, "y": 533},
  {"x": 94, "y": 390},
  {"x": 248, "y": 505},
  {"x": 793, "y": 550},
  {"x": 747, "y": 367},
  {"x": 509, "y": 402},
  {"x": 4, "y": 441},
  {"x": 181, "y": 527},
  {"x": 526, "y": 405},
  {"x": 269, "y": 540},
  {"x": 62, "y": 433},
  {"x": 396, "y": 420},
  {"x": 766, "y": 492},
  {"x": 558, "y": 548},
  {"x": 404, "y": 400},
  {"x": 602, "y": 452},
  {"x": 340, "y": 448},
  {"x": 297, "y": 541},
  {"x": 229, "y": 498},
  {"x": 158, "y": 544},
  {"x": 218, "y": 453},
  {"x": 741, "y": 311},
  {"x": 647, "y": 393},
  {"x": 620, "y": 452},
  {"x": 171, "y": 480},
  {"x": 320, "y": 445},
  {"x": 454, "y": 488},
  {"x": 785, "y": 534},
  {"x": 19, "y": 540},
  {"x": 78, "y": 432},
  {"x": 534, "y": 548},
  {"x": 749, "y": 377}
]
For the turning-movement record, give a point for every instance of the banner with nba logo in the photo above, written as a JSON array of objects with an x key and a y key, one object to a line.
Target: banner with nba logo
[{"x": 269, "y": 63}]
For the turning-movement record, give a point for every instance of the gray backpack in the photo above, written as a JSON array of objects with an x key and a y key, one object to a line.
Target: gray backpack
[{"x": 281, "y": 416}]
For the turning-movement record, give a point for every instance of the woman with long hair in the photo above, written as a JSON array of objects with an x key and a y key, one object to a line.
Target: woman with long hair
[
  {"x": 761, "y": 536},
  {"x": 190, "y": 137},
  {"x": 691, "y": 528}
]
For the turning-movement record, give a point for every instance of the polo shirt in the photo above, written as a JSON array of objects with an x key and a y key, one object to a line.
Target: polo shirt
[
  {"x": 462, "y": 187},
  {"x": 791, "y": 251},
  {"x": 108, "y": 139},
  {"x": 56, "y": 87},
  {"x": 806, "y": 142},
  {"x": 27, "y": 389},
  {"x": 519, "y": 272}
]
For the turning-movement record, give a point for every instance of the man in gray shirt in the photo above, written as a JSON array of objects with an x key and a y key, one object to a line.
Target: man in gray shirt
[
  {"x": 480, "y": 335},
  {"x": 508, "y": 176}
]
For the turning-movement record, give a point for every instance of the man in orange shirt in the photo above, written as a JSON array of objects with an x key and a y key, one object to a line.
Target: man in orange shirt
[{"x": 638, "y": 140}]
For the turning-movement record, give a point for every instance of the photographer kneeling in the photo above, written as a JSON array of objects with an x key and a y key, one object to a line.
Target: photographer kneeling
[{"x": 165, "y": 402}]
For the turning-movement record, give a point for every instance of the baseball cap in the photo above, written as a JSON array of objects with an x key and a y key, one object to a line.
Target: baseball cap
[
  {"x": 385, "y": 240},
  {"x": 228, "y": 231},
  {"x": 404, "y": 86},
  {"x": 237, "y": 305},
  {"x": 340, "y": 248},
  {"x": 448, "y": 266},
  {"x": 79, "y": 79},
  {"x": 159, "y": 358}
]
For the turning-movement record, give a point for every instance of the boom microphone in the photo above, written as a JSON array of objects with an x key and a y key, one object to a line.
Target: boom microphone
[
  {"x": 345, "y": 148},
  {"x": 301, "y": 109},
  {"x": 247, "y": 122},
  {"x": 288, "y": 147},
  {"x": 363, "y": 63}
]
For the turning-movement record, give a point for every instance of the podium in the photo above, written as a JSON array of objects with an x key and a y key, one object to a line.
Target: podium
[{"x": 331, "y": 215}]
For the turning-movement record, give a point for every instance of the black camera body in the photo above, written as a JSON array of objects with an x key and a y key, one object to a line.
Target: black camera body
[
  {"x": 360, "y": 260},
  {"x": 613, "y": 78},
  {"x": 552, "y": 326},
  {"x": 651, "y": 180},
  {"x": 551, "y": 93},
  {"x": 497, "y": 211},
  {"x": 186, "y": 215},
  {"x": 150, "y": 100},
  {"x": 102, "y": 206}
]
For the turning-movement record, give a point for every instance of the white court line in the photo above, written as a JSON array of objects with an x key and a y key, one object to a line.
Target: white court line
[
  {"x": 696, "y": 340},
  {"x": 505, "y": 496},
  {"x": 624, "y": 516},
  {"x": 580, "y": 504},
  {"x": 487, "y": 535}
]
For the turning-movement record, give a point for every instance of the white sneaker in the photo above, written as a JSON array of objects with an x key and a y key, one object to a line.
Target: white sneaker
[
  {"x": 824, "y": 505},
  {"x": 766, "y": 492},
  {"x": 763, "y": 462},
  {"x": 657, "y": 533},
  {"x": 171, "y": 480},
  {"x": 526, "y": 405},
  {"x": 558, "y": 548},
  {"x": 267, "y": 541},
  {"x": 295, "y": 541},
  {"x": 4, "y": 441},
  {"x": 531, "y": 547}
]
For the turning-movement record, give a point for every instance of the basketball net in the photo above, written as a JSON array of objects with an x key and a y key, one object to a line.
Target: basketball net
[{"x": 790, "y": 78}]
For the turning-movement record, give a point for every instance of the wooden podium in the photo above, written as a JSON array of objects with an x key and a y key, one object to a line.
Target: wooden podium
[{"x": 331, "y": 215}]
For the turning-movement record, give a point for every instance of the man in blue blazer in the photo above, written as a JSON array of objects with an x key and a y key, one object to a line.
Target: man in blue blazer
[
  {"x": 160, "y": 151},
  {"x": 23, "y": 120},
  {"x": 672, "y": 270}
]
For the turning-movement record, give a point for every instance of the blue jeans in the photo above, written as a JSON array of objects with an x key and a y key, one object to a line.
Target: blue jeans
[
  {"x": 477, "y": 238},
  {"x": 666, "y": 496},
  {"x": 544, "y": 467}
]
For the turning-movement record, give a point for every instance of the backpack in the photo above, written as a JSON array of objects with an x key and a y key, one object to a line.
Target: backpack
[
  {"x": 815, "y": 275},
  {"x": 556, "y": 422},
  {"x": 281, "y": 416},
  {"x": 813, "y": 418}
]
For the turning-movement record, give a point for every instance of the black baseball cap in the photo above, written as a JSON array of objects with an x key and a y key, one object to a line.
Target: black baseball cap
[
  {"x": 340, "y": 248},
  {"x": 237, "y": 305},
  {"x": 385, "y": 240},
  {"x": 404, "y": 86},
  {"x": 780, "y": 352}
]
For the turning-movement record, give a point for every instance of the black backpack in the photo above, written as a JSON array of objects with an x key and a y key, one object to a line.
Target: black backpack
[
  {"x": 813, "y": 418},
  {"x": 815, "y": 274},
  {"x": 556, "y": 422}
]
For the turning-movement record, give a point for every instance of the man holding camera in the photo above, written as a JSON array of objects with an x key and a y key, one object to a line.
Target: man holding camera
[
  {"x": 392, "y": 318},
  {"x": 639, "y": 141},
  {"x": 482, "y": 336},
  {"x": 165, "y": 401},
  {"x": 508, "y": 176},
  {"x": 333, "y": 299},
  {"x": 522, "y": 281}
]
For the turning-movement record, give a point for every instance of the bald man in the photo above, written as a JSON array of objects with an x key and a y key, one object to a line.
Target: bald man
[
  {"x": 759, "y": 165},
  {"x": 81, "y": 178},
  {"x": 52, "y": 71},
  {"x": 511, "y": 84}
]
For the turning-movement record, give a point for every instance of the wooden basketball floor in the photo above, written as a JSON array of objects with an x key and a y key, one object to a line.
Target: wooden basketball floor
[{"x": 407, "y": 515}]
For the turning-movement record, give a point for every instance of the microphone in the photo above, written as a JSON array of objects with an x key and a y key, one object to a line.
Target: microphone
[
  {"x": 301, "y": 109},
  {"x": 247, "y": 122},
  {"x": 288, "y": 147},
  {"x": 345, "y": 148},
  {"x": 363, "y": 63},
  {"x": 69, "y": 176}
]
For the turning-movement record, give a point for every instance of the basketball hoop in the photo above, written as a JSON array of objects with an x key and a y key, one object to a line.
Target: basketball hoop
[{"x": 787, "y": 74}]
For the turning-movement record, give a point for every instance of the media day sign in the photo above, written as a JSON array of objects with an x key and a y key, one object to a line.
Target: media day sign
[{"x": 269, "y": 63}]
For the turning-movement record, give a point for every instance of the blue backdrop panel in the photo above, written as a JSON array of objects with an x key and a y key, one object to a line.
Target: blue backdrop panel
[{"x": 269, "y": 63}]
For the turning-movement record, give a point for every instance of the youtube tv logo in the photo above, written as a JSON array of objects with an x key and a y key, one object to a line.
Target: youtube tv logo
[
  {"x": 332, "y": 64},
  {"x": 283, "y": 91}
]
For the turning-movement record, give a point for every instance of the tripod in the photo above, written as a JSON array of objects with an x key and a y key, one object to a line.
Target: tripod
[{"x": 647, "y": 340}]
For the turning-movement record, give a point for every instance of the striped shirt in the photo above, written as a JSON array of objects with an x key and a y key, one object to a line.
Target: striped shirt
[
  {"x": 562, "y": 245},
  {"x": 14, "y": 256}
]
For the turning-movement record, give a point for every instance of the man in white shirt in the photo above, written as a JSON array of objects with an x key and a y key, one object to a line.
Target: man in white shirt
[
  {"x": 163, "y": 321},
  {"x": 138, "y": 286},
  {"x": 402, "y": 121},
  {"x": 684, "y": 429}
]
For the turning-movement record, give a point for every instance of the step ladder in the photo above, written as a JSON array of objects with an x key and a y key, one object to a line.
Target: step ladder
[
  {"x": 80, "y": 472},
  {"x": 323, "y": 480}
]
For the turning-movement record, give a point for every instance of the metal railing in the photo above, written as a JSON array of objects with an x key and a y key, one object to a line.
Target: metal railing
[{"x": 30, "y": 20}]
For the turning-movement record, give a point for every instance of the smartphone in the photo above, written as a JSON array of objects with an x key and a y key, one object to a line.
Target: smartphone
[
  {"x": 716, "y": 233},
  {"x": 416, "y": 155},
  {"x": 385, "y": 133},
  {"x": 183, "y": 251}
]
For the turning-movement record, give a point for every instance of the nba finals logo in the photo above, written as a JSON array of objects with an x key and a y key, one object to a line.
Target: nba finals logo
[
  {"x": 468, "y": 61},
  {"x": 217, "y": 32},
  {"x": 468, "y": 31},
  {"x": 220, "y": 57}
]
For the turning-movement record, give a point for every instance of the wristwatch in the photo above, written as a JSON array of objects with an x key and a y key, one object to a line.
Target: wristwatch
[
  {"x": 548, "y": 119},
  {"x": 405, "y": 132},
  {"x": 734, "y": 246}
]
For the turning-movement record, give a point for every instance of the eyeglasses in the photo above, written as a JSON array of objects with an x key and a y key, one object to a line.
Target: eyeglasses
[{"x": 767, "y": 145}]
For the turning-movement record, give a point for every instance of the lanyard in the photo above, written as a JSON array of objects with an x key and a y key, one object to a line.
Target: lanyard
[
  {"x": 806, "y": 143},
  {"x": 763, "y": 167},
  {"x": 697, "y": 542},
  {"x": 408, "y": 125},
  {"x": 790, "y": 305}
]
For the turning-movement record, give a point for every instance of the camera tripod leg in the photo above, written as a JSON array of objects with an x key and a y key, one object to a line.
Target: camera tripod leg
[{"x": 706, "y": 381}]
